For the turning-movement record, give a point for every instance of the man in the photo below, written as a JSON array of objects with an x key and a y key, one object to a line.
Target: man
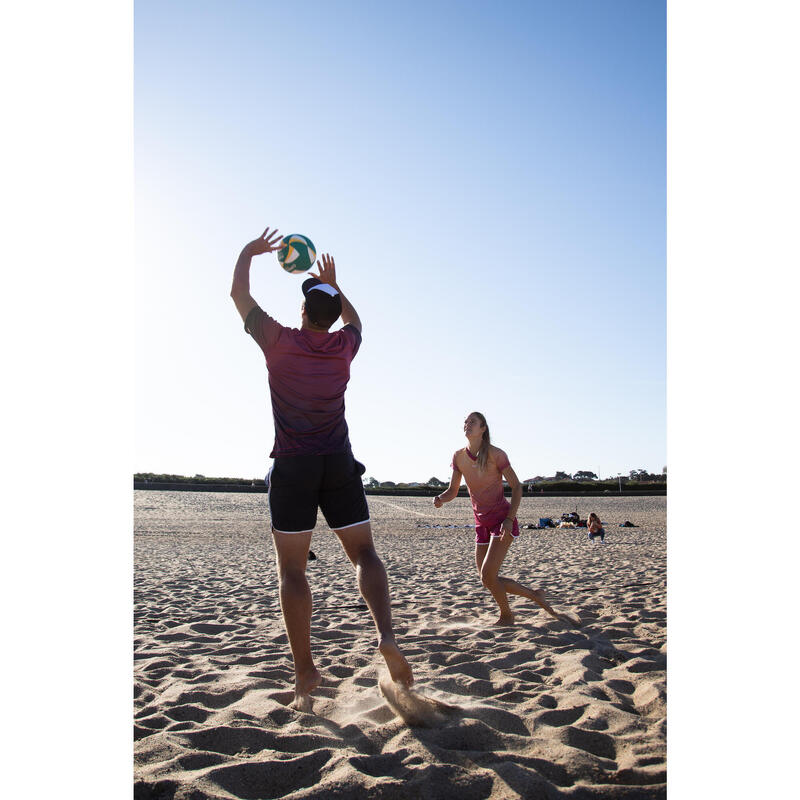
[{"x": 313, "y": 464}]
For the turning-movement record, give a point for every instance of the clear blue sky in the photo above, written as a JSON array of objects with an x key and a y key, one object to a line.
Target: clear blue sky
[{"x": 491, "y": 180}]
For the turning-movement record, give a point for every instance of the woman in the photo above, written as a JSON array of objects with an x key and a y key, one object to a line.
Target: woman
[
  {"x": 483, "y": 467},
  {"x": 595, "y": 528}
]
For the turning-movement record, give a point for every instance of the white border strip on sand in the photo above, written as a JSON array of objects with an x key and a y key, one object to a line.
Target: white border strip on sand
[{"x": 373, "y": 499}]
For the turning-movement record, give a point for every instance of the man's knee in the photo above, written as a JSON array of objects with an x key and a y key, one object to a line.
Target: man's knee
[
  {"x": 367, "y": 557},
  {"x": 291, "y": 573}
]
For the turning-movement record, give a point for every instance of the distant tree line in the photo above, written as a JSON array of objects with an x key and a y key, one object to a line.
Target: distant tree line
[
  {"x": 582, "y": 480},
  {"x": 160, "y": 477},
  {"x": 639, "y": 476},
  {"x": 431, "y": 483}
]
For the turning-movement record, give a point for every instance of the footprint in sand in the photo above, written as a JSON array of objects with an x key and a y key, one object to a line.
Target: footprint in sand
[{"x": 412, "y": 707}]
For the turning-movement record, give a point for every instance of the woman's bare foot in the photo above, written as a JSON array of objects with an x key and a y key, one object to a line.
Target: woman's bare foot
[
  {"x": 570, "y": 618},
  {"x": 303, "y": 686},
  {"x": 399, "y": 668},
  {"x": 505, "y": 620},
  {"x": 538, "y": 597}
]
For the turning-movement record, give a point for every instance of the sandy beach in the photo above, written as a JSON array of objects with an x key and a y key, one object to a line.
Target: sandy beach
[{"x": 542, "y": 709}]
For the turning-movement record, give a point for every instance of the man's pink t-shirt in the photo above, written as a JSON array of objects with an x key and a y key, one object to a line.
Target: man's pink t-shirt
[
  {"x": 485, "y": 486},
  {"x": 308, "y": 375}
]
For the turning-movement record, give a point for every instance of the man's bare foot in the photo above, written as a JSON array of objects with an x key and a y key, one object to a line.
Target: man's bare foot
[
  {"x": 399, "y": 668},
  {"x": 302, "y": 702},
  {"x": 505, "y": 620},
  {"x": 412, "y": 707},
  {"x": 303, "y": 686}
]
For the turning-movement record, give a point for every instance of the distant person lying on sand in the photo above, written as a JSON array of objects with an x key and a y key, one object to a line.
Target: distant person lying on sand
[
  {"x": 483, "y": 467},
  {"x": 595, "y": 527},
  {"x": 314, "y": 466}
]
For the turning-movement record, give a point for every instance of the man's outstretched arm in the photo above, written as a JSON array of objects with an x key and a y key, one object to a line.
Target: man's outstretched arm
[
  {"x": 240, "y": 289},
  {"x": 327, "y": 274}
]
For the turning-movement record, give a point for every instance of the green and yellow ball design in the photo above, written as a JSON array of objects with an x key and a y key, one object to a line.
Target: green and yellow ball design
[{"x": 296, "y": 253}]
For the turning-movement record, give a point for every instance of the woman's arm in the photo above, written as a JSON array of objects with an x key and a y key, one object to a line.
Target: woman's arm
[
  {"x": 452, "y": 490},
  {"x": 516, "y": 492},
  {"x": 516, "y": 497}
]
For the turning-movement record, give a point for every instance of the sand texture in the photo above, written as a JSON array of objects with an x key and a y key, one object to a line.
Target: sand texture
[{"x": 543, "y": 709}]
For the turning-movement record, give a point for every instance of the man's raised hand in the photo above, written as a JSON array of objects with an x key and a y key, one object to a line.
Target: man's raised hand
[
  {"x": 266, "y": 243},
  {"x": 326, "y": 270}
]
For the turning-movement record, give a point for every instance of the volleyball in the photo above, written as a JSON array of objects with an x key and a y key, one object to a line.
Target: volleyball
[{"x": 296, "y": 253}]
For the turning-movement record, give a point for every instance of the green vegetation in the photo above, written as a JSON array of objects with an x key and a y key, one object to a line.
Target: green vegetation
[
  {"x": 153, "y": 477},
  {"x": 582, "y": 482}
]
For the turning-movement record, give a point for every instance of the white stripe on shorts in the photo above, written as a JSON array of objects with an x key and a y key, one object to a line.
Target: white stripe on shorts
[
  {"x": 291, "y": 532},
  {"x": 353, "y": 525}
]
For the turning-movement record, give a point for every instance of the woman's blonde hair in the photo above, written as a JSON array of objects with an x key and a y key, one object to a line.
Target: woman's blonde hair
[
  {"x": 593, "y": 516},
  {"x": 486, "y": 440}
]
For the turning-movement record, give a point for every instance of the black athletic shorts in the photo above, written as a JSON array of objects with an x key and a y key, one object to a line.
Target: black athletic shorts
[{"x": 300, "y": 484}]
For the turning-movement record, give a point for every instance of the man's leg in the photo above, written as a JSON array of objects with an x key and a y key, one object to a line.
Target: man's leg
[
  {"x": 291, "y": 557},
  {"x": 374, "y": 587}
]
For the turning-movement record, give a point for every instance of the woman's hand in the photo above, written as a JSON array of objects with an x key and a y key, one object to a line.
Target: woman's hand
[
  {"x": 507, "y": 526},
  {"x": 437, "y": 501}
]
